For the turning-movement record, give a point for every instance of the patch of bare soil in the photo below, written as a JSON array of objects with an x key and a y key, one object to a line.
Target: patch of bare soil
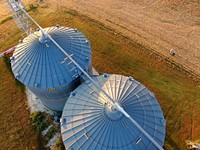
[{"x": 160, "y": 25}]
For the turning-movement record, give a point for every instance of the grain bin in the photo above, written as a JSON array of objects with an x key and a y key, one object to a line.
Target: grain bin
[
  {"x": 90, "y": 122},
  {"x": 45, "y": 70}
]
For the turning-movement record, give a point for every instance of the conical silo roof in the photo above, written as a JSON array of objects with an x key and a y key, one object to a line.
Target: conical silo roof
[
  {"x": 37, "y": 62},
  {"x": 89, "y": 122}
]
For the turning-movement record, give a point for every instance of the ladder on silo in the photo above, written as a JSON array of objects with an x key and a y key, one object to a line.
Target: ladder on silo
[{"x": 73, "y": 71}]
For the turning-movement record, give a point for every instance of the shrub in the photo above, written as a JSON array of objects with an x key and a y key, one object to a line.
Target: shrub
[
  {"x": 32, "y": 7},
  {"x": 40, "y": 121}
]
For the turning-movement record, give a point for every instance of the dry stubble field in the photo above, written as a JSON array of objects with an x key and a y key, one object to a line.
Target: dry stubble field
[{"x": 160, "y": 25}]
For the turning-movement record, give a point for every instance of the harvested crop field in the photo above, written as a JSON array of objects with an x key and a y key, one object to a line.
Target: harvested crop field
[
  {"x": 176, "y": 90},
  {"x": 160, "y": 25}
]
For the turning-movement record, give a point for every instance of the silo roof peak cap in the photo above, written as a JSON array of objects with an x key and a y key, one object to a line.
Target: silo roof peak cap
[{"x": 44, "y": 37}]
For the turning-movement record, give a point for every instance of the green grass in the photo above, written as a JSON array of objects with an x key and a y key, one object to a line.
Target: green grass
[
  {"x": 40, "y": 121},
  {"x": 5, "y": 19},
  {"x": 176, "y": 90}
]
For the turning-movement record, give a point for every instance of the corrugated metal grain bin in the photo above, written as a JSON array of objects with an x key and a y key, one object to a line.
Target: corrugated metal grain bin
[
  {"x": 90, "y": 122},
  {"x": 45, "y": 70}
]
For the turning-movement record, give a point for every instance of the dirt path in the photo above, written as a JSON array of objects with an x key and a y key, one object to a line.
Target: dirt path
[{"x": 158, "y": 24}]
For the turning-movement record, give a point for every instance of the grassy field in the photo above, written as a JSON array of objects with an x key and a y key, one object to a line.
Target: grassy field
[
  {"x": 176, "y": 90},
  {"x": 16, "y": 130}
]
